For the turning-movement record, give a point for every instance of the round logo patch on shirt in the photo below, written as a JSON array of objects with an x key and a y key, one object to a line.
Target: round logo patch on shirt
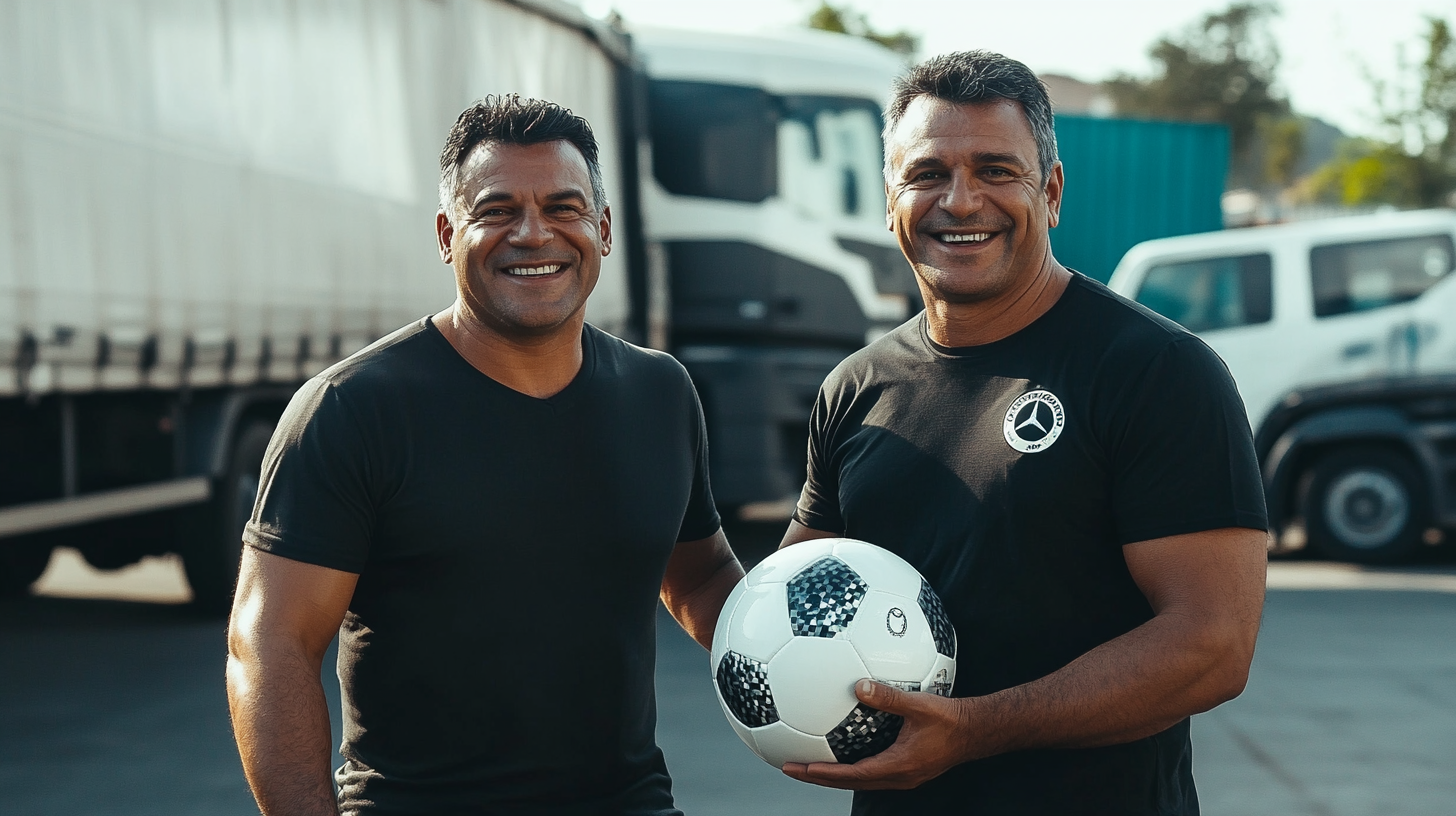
[{"x": 1034, "y": 421}]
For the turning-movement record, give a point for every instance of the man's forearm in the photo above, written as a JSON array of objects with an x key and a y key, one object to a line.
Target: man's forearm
[
  {"x": 1206, "y": 591},
  {"x": 281, "y": 722},
  {"x": 1128, "y": 688},
  {"x": 698, "y": 612}
]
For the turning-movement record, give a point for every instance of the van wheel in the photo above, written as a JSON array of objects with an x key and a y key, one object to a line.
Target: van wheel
[
  {"x": 1367, "y": 505},
  {"x": 21, "y": 563},
  {"x": 214, "y": 544}
]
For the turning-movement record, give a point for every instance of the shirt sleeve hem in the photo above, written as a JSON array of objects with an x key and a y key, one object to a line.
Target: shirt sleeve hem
[
  {"x": 1185, "y": 526},
  {"x": 274, "y": 545},
  {"x": 814, "y": 521},
  {"x": 690, "y": 534}
]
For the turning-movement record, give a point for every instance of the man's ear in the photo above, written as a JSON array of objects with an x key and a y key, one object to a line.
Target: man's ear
[
  {"x": 605, "y": 225},
  {"x": 444, "y": 236},
  {"x": 1055, "y": 181}
]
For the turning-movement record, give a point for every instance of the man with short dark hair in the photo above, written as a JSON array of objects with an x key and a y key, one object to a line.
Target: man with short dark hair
[
  {"x": 1073, "y": 474},
  {"x": 490, "y": 502}
]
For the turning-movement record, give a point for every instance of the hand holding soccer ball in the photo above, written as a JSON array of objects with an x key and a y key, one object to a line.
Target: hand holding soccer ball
[{"x": 804, "y": 626}]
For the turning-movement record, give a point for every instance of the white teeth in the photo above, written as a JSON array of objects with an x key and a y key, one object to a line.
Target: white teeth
[
  {"x": 533, "y": 271},
  {"x": 950, "y": 238}
]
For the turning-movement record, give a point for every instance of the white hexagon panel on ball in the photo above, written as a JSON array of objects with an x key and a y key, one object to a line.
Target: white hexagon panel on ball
[
  {"x": 893, "y": 638},
  {"x": 813, "y": 682}
]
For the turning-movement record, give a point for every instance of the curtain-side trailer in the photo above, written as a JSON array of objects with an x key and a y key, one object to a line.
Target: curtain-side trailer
[{"x": 204, "y": 203}]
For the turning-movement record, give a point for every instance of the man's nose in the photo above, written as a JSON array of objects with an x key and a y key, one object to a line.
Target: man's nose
[
  {"x": 962, "y": 195},
  {"x": 531, "y": 230}
]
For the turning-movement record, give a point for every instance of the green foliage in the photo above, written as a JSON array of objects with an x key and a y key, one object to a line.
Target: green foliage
[
  {"x": 1221, "y": 69},
  {"x": 1415, "y": 165},
  {"x": 1364, "y": 172},
  {"x": 845, "y": 20}
]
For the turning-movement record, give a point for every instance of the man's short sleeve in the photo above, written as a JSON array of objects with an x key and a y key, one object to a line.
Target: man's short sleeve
[
  {"x": 818, "y": 507},
  {"x": 313, "y": 500},
  {"x": 701, "y": 519},
  {"x": 1182, "y": 454}
]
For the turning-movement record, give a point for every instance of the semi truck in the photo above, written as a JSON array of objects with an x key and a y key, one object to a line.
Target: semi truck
[
  {"x": 203, "y": 204},
  {"x": 1341, "y": 336}
]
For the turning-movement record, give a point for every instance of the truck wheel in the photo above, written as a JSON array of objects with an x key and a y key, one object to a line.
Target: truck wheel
[
  {"x": 21, "y": 563},
  {"x": 1367, "y": 505},
  {"x": 214, "y": 547}
]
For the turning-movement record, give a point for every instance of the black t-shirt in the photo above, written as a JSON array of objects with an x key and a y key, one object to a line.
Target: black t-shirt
[
  {"x": 498, "y": 653},
  {"x": 1011, "y": 474}
]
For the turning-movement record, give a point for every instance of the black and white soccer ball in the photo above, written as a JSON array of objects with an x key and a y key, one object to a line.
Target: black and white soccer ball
[{"x": 804, "y": 626}]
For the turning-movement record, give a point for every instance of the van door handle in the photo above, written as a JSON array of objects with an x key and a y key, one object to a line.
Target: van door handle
[{"x": 1360, "y": 349}]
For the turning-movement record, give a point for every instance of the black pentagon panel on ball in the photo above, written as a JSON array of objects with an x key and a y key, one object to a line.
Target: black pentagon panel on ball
[
  {"x": 743, "y": 682},
  {"x": 864, "y": 733},
  {"x": 823, "y": 598},
  {"x": 940, "y": 626}
]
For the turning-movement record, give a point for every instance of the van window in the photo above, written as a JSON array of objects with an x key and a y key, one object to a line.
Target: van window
[
  {"x": 1211, "y": 293},
  {"x": 1355, "y": 277}
]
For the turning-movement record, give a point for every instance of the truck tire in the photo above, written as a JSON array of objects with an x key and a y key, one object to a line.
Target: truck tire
[
  {"x": 1366, "y": 505},
  {"x": 214, "y": 545},
  {"x": 21, "y": 563}
]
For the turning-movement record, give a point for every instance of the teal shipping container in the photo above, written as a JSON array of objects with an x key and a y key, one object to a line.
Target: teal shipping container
[{"x": 1130, "y": 180}]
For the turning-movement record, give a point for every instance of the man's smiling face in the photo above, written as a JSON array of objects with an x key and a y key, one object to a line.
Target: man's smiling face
[
  {"x": 966, "y": 198},
  {"x": 526, "y": 239}
]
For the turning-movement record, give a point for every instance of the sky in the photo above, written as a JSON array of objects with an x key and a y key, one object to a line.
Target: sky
[{"x": 1326, "y": 45}]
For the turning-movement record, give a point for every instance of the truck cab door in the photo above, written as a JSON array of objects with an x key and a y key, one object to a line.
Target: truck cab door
[{"x": 1432, "y": 334}]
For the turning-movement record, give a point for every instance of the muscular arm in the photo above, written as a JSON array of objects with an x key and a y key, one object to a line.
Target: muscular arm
[
  {"x": 285, "y": 614},
  {"x": 1207, "y": 593},
  {"x": 700, "y": 574}
]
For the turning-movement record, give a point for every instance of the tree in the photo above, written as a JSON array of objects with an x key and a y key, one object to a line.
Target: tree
[
  {"x": 1282, "y": 140},
  {"x": 845, "y": 20},
  {"x": 1414, "y": 165},
  {"x": 1422, "y": 121},
  {"x": 1221, "y": 69}
]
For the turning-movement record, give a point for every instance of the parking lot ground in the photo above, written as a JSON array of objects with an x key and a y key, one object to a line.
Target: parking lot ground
[{"x": 113, "y": 705}]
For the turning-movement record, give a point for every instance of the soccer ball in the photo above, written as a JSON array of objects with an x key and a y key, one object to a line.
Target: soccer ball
[{"x": 804, "y": 626}]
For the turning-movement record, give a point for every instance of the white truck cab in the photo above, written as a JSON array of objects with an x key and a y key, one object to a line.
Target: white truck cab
[{"x": 1341, "y": 335}]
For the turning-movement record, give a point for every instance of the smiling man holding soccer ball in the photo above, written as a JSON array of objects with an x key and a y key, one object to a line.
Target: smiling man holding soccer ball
[{"x": 1072, "y": 473}]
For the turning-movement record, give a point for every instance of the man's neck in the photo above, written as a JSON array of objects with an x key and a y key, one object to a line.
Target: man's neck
[
  {"x": 539, "y": 367},
  {"x": 958, "y": 325}
]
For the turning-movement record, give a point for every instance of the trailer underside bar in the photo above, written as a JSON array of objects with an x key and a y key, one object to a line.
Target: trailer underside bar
[{"x": 40, "y": 516}]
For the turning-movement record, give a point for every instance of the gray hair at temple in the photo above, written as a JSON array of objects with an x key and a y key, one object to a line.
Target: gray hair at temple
[{"x": 968, "y": 77}]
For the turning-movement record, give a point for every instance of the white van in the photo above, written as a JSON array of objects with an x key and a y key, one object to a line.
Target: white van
[{"x": 1341, "y": 335}]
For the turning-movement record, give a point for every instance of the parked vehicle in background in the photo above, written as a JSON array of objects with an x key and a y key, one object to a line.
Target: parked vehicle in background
[
  {"x": 1341, "y": 335},
  {"x": 203, "y": 204},
  {"x": 765, "y": 218}
]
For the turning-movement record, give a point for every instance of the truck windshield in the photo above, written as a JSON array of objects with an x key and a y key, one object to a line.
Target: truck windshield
[{"x": 822, "y": 154}]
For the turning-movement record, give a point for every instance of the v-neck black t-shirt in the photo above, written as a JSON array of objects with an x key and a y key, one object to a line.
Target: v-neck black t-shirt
[
  {"x": 498, "y": 653},
  {"x": 1011, "y": 474}
]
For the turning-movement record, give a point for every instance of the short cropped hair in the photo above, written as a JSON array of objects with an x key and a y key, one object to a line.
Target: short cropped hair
[
  {"x": 509, "y": 119},
  {"x": 967, "y": 77}
]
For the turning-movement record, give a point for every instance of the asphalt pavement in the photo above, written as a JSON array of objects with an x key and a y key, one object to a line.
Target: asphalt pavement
[{"x": 117, "y": 708}]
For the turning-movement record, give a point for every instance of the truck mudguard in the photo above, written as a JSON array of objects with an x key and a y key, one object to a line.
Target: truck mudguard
[{"x": 1282, "y": 462}]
